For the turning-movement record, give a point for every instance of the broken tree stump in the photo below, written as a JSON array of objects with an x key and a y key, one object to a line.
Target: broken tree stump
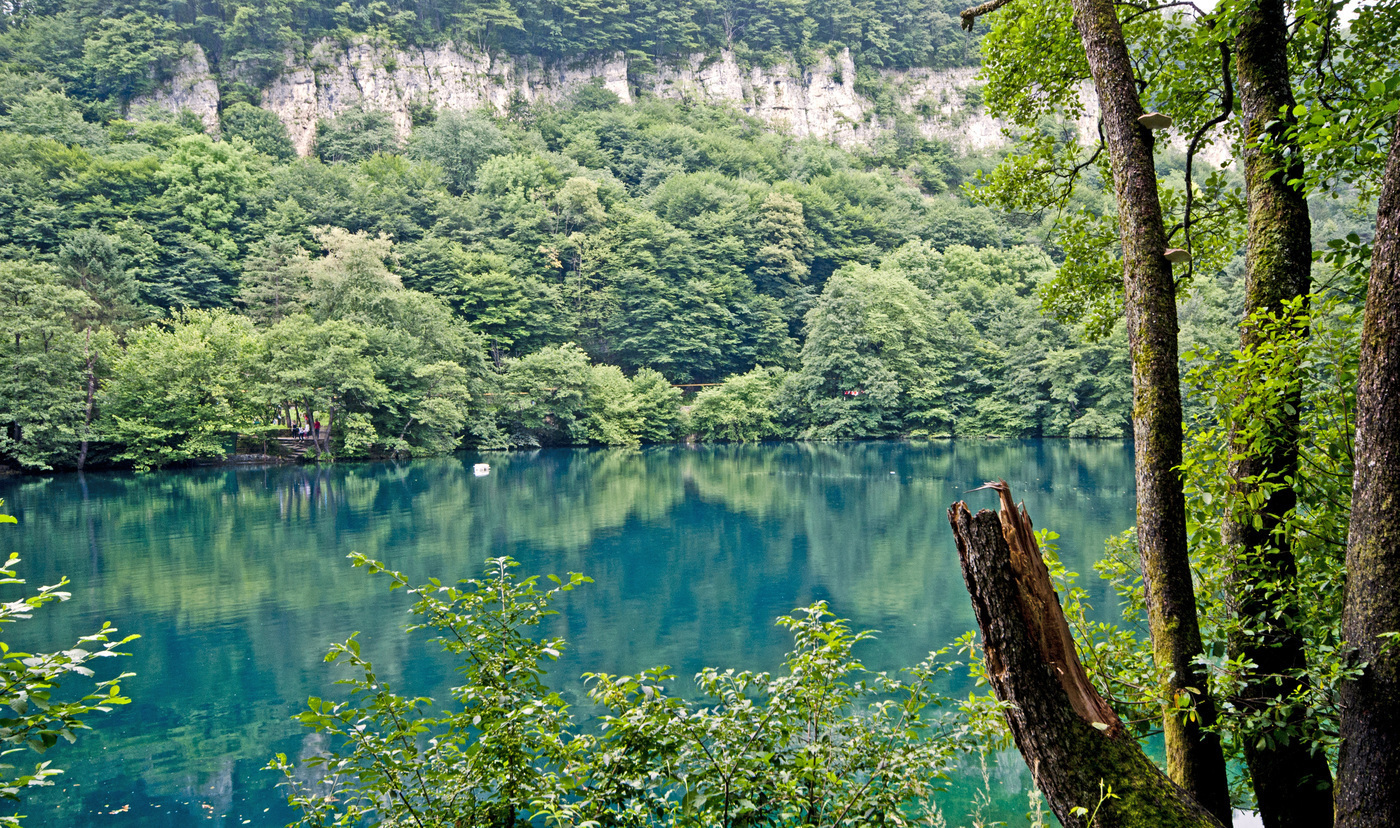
[{"x": 1074, "y": 743}]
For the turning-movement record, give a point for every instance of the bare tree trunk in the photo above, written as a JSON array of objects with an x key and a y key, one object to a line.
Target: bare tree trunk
[
  {"x": 1368, "y": 771},
  {"x": 1292, "y": 782},
  {"x": 1194, "y": 757},
  {"x": 1077, "y": 748},
  {"x": 330, "y": 418},
  {"x": 310, "y": 416},
  {"x": 91, "y": 391}
]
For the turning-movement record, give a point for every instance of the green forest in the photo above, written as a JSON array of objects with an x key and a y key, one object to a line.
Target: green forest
[
  {"x": 547, "y": 276},
  {"x": 589, "y": 273}
]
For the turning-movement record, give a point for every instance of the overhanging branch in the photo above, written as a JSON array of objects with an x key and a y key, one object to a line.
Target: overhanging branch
[
  {"x": 1227, "y": 106},
  {"x": 969, "y": 16}
]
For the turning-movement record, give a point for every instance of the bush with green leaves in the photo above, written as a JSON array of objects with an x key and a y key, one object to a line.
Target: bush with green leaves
[
  {"x": 741, "y": 410},
  {"x": 877, "y": 359},
  {"x": 460, "y": 142},
  {"x": 658, "y": 406},
  {"x": 541, "y": 398},
  {"x": 1307, "y": 356},
  {"x": 41, "y": 396},
  {"x": 37, "y": 690},
  {"x": 611, "y": 417},
  {"x": 825, "y": 742},
  {"x": 355, "y": 135},
  {"x": 556, "y": 396},
  {"x": 179, "y": 391},
  {"x": 259, "y": 127}
]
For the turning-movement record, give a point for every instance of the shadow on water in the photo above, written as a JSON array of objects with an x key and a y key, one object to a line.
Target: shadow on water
[{"x": 236, "y": 579}]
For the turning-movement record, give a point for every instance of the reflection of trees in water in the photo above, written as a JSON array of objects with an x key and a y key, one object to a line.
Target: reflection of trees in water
[
  {"x": 877, "y": 542},
  {"x": 237, "y": 578}
]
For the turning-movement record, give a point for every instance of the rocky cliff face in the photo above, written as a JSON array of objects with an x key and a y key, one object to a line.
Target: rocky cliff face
[
  {"x": 193, "y": 87},
  {"x": 819, "y": 101}
]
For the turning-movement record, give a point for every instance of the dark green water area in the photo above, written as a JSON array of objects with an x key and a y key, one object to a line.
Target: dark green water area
[{"x": 236, "y": 579}]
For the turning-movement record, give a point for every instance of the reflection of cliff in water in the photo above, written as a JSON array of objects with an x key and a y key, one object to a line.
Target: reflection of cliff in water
[{"x": 237, "y": 579}]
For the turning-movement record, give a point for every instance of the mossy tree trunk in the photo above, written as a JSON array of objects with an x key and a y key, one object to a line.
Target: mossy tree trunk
[
  {"x": 1078, "y": 750},
  {"x": 1368, "y": 771},
  {"x": 1194, "y": 757},
  {"x": 1292, "y": 782}
]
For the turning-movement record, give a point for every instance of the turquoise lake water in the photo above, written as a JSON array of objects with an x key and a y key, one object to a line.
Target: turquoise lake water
[{"x": 237, "y": 581}]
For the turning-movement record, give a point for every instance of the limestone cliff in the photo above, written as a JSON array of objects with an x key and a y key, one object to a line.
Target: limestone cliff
[
  {"x": 193, "y": 87},
  {"x": 817, "y": 101}
]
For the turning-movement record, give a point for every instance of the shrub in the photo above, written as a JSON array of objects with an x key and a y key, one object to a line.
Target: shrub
[
  {"x": 37, "y": 712},
  {"x": 264, "y": 130},
  {"x": 823, "y": 742},
  {"x": 612, "y": 418},
  {"x": 742, "y": 409},
  {"x": 355, "y": 135},
  {"x": 658, "y": 405}
]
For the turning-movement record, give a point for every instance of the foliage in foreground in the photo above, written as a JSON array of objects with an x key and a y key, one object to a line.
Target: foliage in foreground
[
  {"x": 1308, "y": 351},
  {"x": 824, "y": 742},
  {"x": 35, "y": 713}
]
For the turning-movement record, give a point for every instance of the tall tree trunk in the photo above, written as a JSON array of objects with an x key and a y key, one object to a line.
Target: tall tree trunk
[
  {"x": 1077, "y": 748},
  {"x": 91, "y": 392},
  {"x": 330, "y": 418},
  {"x": 1194, "y": 758},
  {"x": 1368, "y": 771},
  {"x": 1292, "y": 782}
]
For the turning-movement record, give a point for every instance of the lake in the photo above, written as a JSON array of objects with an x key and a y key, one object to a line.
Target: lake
[{"x": 237, "y": 581}]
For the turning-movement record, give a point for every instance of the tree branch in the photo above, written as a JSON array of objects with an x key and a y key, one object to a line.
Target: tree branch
[
  {"x": 1227, "y": 105},
  {"x": 969, "y": 16}
]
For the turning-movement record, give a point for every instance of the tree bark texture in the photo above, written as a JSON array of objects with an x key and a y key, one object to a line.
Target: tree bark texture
[
  {"x": 1194, "y": 757},
  {"x": 1292, "y": 782},
  {"x": 1076, "y": 746},
  {"x": 1368, "y": 770}
]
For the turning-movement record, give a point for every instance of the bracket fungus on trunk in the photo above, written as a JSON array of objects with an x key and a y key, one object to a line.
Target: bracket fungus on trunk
[{"x": 1155, "y": 120}]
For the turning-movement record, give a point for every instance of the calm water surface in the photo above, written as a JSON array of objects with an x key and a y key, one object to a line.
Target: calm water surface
[{"x": 236, "y": 580}]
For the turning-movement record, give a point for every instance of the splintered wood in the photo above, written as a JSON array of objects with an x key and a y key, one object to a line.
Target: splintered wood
[
  {"x": 1040, "y": 607},
  {"x": 1074, "y": 743}
]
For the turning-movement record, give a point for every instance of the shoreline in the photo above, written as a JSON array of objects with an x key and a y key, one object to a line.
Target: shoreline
[{"x": 254, "y": 460}]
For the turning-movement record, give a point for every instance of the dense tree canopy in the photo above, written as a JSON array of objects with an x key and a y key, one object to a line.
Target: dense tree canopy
[
  {"x": 683, "y": 240},
  {"x": 669, "y": 240}
]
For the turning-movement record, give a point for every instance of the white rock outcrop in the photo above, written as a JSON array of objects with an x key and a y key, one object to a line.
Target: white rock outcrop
[
  {"x": 818, "y": 101},
  {"x": 395, "y": 80},
  {"x": 193, "y": 87}
]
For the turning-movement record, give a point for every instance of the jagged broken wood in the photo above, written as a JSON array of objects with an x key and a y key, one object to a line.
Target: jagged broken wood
[{"x": 1068, "y": 734}]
